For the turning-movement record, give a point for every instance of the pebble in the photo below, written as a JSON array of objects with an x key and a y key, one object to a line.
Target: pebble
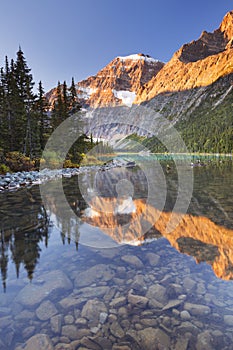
[
  {"x": 228, "y": 320},
  {"x": 185, "y": 315}
]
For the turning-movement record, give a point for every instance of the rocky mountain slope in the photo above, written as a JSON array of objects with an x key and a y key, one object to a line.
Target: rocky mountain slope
[
  {"x": 116, "y": 84},
  {"x": 199, "y": 63},
  {"x": 193, "y": 91}
]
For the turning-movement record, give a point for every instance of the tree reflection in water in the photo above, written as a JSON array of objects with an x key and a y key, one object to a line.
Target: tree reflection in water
[{"x": 25, "y": 225}]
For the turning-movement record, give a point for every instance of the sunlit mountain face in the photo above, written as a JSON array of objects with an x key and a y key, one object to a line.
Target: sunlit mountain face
[{"x": 125, "y": 219}]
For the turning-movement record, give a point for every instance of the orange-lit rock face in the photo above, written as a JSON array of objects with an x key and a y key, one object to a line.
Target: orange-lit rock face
[
  {"x": 199, "y": 63},
  {"x": 194, "y": 235},
  {"x": 117, "y": 83},
  {"x": 138, "y": 78}
]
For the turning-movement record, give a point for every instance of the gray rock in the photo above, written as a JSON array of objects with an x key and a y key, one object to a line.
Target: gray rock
[
  {"x": 64, "y": 346},
  {"x": 116, "y": 330},
  {"x": 95, "y": 329},
  {"x": 81, "y": 321},
  {"x": 92, "y": 310},
  {"x": 197, "y": 309},
  {"x": 185, "y": 315},
  {"x": 104, "y": 343},
  {"x": 25, "y": 315},
  {"x": 204, "y": 341},
  {"x": 69, "y": 319},
  {"x": 28, "y": 332},
  {"x": 172, "y": 304},
  {"x": 5, "y": 321},
  {"x": 118, "y": 302},
  {"x": 154, "y": 304},
  {"x": 69, "y": 331},
  {"x": 53, "y": 282},
  {"x": 55, "y": 323},
  {"x": 152, "y": 338},
  {"x": 98, "y": 272},
  {"x": 139, "y": 284},
  {"x": 103, "y": 317},
  {"x": 187, "y": 327},
  {"x": 153, "y": 259},
  {"x": 132, "y": 260},
  {"x": 182, "y": 344},
  {"x": 90, "y": 344},
  {"x": 46, "y": 310},
  {"x": 158, "y": 293},
  {"x": 149, "y": 322},
  {"x": 137, "y": 300},
  {"x": 228, "y": 320},
  {"x": 71, "y": 301},
  {"x": 39, "y": 342},
  {"x": 188, "y": 283}
]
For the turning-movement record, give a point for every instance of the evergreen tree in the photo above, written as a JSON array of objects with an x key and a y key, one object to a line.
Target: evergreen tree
[
  {"x": 43, "y": 119},
  {"x": 57, "y": 112},
  {"x": 25, "y": 85},
  {"x": 74, "y": 105}
]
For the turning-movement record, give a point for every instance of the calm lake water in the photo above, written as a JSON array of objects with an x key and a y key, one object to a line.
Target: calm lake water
[{"x": 109, "y": 276}]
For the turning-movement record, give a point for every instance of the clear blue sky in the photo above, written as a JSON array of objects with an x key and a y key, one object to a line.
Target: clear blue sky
[{"x": 65, "y": 38}]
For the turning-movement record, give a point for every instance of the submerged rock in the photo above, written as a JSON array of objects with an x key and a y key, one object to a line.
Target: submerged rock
[
  {"x": 196, "y": 309},
  {"x": 92, "y": 310},
  {"x": 132, "y": 260},
  {"x": 39, "y": 342},
  {"x": 93, "y": 274},
  {"x": 46, "y": 310},
  {"x": 158, "y": 293},
  {"x": 151, "y": 338},
  {"x": 137, "y": 300},
  {"x": 52, "y": 282}
]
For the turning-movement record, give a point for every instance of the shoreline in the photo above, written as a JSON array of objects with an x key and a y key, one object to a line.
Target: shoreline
[{"x": 22, "y": 179}]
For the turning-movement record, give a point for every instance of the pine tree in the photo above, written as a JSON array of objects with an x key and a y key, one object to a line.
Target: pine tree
[
  {"x": 3, "y": 124},
  {"x": 58, "y": 109},
  {"x": 25, "y": 85},
  {"x": 41, "y": 108},
  {"x": 74, "y": 105},
  {"x": 65, "y": 100}
]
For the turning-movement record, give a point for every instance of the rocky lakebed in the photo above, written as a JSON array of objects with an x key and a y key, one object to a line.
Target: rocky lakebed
[{"x": 120, "y": 298}]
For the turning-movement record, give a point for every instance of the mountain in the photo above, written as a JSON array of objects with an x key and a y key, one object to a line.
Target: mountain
[
  {"x": 199, "y": 63},
  {"x": 116, "y": 84},
  {"x": 193, "y": 92}
]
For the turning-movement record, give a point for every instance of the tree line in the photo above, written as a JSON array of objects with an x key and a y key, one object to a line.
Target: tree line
[{"x": 26, "y": 119}]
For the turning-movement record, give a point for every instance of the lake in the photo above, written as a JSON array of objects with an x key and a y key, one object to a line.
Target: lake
[{"x": 102, "y": 270}]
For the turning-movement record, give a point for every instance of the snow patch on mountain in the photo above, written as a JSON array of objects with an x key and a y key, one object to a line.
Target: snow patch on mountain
[
  {"x": 127, "y": 97},
  {"x": 138, "y": 57},
  {"x": 85, "y": 92}
]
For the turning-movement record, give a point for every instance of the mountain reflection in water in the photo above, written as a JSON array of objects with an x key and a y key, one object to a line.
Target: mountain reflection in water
[
  {"x": 205, "y": 232},
  {"x": 195, "y": 235}
]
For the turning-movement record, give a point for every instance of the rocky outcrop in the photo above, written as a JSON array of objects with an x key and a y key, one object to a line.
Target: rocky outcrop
[
  {"x": 138, "y": 94},
  {"x": 199, "y": 63},
  {"x": 116, "y": 84}
]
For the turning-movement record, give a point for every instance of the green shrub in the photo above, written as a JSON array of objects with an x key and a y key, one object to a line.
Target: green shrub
[
  {"x": 16, "y": 161},
  {"x": 4, "y": 169}
]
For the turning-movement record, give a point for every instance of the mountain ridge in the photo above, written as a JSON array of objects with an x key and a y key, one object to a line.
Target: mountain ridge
[
  {"x": 196, "y": 64},
  {"x": 193, "y": 92},
  {"x": 138, "y": 77}
]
